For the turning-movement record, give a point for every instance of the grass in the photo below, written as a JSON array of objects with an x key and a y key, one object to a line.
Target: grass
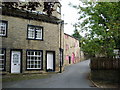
[{"x": 18, "y": 77}]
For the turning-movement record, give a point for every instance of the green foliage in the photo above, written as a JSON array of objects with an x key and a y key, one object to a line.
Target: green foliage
[
  {"x": 76, "y": 34},
  {"x": 102, "y": 21},
  {"x": 98, "y": 47}
]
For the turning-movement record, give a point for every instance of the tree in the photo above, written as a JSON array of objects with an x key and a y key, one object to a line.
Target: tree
[
  {"x": 102, "y": 21},
  {"x": 76, "y": 34}
]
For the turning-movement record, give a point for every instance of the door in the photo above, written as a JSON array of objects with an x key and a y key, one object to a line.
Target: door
[
  {"x": 69, "y": 59},
  {"x": 15, "y": 61},
  {"x": 50, "y": 61}
]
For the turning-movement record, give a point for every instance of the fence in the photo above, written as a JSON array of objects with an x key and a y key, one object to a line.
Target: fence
[
  {"x": 105, "y": 69},
  {"x": 105, "y": 64}
]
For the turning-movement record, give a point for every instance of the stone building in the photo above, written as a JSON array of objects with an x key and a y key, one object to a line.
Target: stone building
[
  {"x": 72, "y": 52},
  {"x": 30, "y": 42}
]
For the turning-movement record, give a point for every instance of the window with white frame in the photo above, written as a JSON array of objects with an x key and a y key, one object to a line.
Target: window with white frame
[
  {"x": 3, "y": 28},
  {"x": 34, "y": 59},
  {"x": 35, "y": 32},
  {"x": 2, "y": 59}
]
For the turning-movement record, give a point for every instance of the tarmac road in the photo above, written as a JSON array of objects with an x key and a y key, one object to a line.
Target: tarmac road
[{"x": 74, "y": 76}]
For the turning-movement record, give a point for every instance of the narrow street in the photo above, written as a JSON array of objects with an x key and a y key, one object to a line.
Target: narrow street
[{"x": 74, "y": 76}]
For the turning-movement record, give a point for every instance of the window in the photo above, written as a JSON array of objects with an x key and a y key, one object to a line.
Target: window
[
  {"x": 34, "y": 59},
  {"x": 2, "y": 59},
  {"x": 3, "y": 28},
  {"x": 15, "y": 58},
  {"x": 58, "y": 9},
  {"x": 35, "y": 32}
]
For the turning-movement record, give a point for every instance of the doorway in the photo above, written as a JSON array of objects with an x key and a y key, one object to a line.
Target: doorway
[
  {"x": 16, "y": 61},
  {"x": 50, "y": 61}
]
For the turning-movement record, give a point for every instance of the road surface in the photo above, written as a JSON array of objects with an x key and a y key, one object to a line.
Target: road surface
[{"x": 74, "y": 76}]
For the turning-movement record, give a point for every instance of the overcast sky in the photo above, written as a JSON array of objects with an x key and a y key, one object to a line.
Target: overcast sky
[{"x": 70, "y": 15}]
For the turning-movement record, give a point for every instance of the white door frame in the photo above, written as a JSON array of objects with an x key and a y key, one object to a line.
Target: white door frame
[
  {"x": 19, "y": 63},
  {"x": 51, "y": 69}
]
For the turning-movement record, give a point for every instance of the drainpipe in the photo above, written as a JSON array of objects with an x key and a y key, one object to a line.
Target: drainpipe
[
  {"x": 61, "y": 23},
  {"x": 60, "y": 62}
]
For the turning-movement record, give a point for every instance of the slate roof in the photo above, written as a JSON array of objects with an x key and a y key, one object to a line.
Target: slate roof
[
  {"x": 71, "y": 36},
  {"x": 29, "y": 15}
]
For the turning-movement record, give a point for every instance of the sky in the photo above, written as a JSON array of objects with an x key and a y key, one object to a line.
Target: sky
[{"x": 69, "y": 15}]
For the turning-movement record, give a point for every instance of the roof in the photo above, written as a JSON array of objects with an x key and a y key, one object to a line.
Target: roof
[
  {"x": 71, "y": 36},
  {"x": 29, "y": 15}
]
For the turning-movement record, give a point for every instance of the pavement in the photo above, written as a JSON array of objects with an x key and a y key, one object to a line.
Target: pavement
[{"x": 74, "y": 76}]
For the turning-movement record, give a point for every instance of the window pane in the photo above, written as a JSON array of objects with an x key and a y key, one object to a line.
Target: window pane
[
  {"x": 2, "y": 59},
  {"x": 15, "y": 58},
  {"x": 29, "y": 58},
  {"x": 39, "y": 53},
  {"x": 36, "y": 53},
  {"x": 34, "y": 32},
  {"x": 3, "y": 56},
  {"x": 1, "y": 67},
  {"x": 28, "y": 53},
  {"x": 38, "y": 66},
  {"x": 32, "y": 52},
  {"x": 33, "y": 60},
  {"x": 35, "y": 66},
  {"x": 31, "y": 32},
  {"x": 39, "y": 58},
  {"x": 39, "y": 62},
  {"x": 38, "y": 33},
  {"x": 32, "y": 66},
  {"x": 3, "y": 28}
]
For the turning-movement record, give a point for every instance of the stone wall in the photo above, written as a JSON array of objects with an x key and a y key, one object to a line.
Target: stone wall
[
  {"x": 17, "y": 39},
  {"x": 71, "y": 45}
]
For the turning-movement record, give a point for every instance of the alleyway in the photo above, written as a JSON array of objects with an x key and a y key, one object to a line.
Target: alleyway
[{"x": 74, "y": 76}]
